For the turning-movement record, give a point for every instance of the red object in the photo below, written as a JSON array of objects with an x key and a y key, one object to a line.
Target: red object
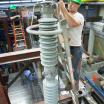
[
  {"x": 94, "y": 77},
  {"x": 4, "y": 99}
]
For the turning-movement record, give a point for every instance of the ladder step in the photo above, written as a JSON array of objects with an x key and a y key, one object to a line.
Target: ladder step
[
  {"x": 10, "y": 30},
  {"x": 20, "y": 40},
  {"x": 19, "y": 34},
  {"x": 19, "y": 31},
  {"x": 21, "y": 46},
  {"x": 18, "y": 28},
  {"x": 10, "y": 33}
]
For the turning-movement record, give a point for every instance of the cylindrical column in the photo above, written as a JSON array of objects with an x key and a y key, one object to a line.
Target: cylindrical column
[{"x": 48, "y": 52}]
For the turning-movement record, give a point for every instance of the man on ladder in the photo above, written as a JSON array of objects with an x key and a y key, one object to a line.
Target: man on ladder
[
  {"x": 75, "y": 21},
  {"x": 14, "y": 15}
]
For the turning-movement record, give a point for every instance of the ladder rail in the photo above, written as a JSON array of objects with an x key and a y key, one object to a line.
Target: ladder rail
[
  {"x": 15, "y": 42},
  {"x": 23, "y": 34}
]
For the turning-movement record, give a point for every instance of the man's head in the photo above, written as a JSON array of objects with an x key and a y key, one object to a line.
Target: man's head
[
  {"x": 13, "y": 7},
  {"x": 74, "y": 5}
]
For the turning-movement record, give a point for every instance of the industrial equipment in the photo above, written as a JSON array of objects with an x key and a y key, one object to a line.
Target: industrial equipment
[
  {"x": 56, "y": 61},
  {"x": 48, "y": 32}
]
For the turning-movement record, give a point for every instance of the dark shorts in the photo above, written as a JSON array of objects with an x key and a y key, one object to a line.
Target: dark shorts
[{"x": 76, "y": 53}]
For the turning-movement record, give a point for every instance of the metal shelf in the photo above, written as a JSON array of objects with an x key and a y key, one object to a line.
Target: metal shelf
[
  {"x": 94, "y": 3},
  {"x": 27, "y": 4},
  {"x": 18, "y": 3}
]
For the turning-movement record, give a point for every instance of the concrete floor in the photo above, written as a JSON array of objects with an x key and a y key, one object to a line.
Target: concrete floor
[{"x": 24, "y": 92}]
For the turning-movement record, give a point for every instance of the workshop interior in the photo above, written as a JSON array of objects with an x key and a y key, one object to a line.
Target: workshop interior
[{"x": 35, "y": 58}]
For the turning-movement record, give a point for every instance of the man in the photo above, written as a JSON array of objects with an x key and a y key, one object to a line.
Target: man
[
  {"x": 14, "y": 15},
  {"x": 75, "y": 21}
]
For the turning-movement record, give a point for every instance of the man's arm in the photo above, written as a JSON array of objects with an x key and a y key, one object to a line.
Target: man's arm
[
  {"x": 13, "y": 17},
  {"x": 72, "y": 22}
]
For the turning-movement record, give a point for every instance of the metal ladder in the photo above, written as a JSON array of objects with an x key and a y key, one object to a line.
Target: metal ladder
[
  {"x": 69, "y": 68},
  {"x": 19, "y": 36}
]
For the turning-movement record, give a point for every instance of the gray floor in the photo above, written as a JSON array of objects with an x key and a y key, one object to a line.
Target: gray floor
[{"x": 24, "y": 92}]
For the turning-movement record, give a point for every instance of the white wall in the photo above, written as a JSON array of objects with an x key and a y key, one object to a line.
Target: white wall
[{"x": 101, "y": 13}]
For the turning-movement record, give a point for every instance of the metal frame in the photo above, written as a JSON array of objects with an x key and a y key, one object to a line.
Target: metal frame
[{"x": 17, "y": 56}]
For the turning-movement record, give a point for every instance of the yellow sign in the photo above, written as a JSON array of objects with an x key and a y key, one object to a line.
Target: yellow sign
[{"x": 92, "y": 0}]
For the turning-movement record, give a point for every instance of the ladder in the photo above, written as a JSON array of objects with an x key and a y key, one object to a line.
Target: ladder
[
  {"x": 19, "y": 36},
  {"x": 69, "y": 68}
]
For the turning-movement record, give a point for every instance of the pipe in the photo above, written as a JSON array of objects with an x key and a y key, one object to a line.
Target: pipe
[
  {"x": 97, "y": 89},
  {"x": 91, "y": 40}
]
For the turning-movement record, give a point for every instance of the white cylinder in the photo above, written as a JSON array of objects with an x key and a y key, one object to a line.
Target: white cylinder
[{"x": 50, "y": 89}]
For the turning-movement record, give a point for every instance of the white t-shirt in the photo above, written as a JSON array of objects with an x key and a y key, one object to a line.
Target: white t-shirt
[{"x": 76, "y": 32}]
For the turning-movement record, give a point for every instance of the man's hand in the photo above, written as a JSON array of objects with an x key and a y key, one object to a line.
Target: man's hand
[
  {"x": 71, "y": 20},
  {"x": 61, "y": 4}
]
